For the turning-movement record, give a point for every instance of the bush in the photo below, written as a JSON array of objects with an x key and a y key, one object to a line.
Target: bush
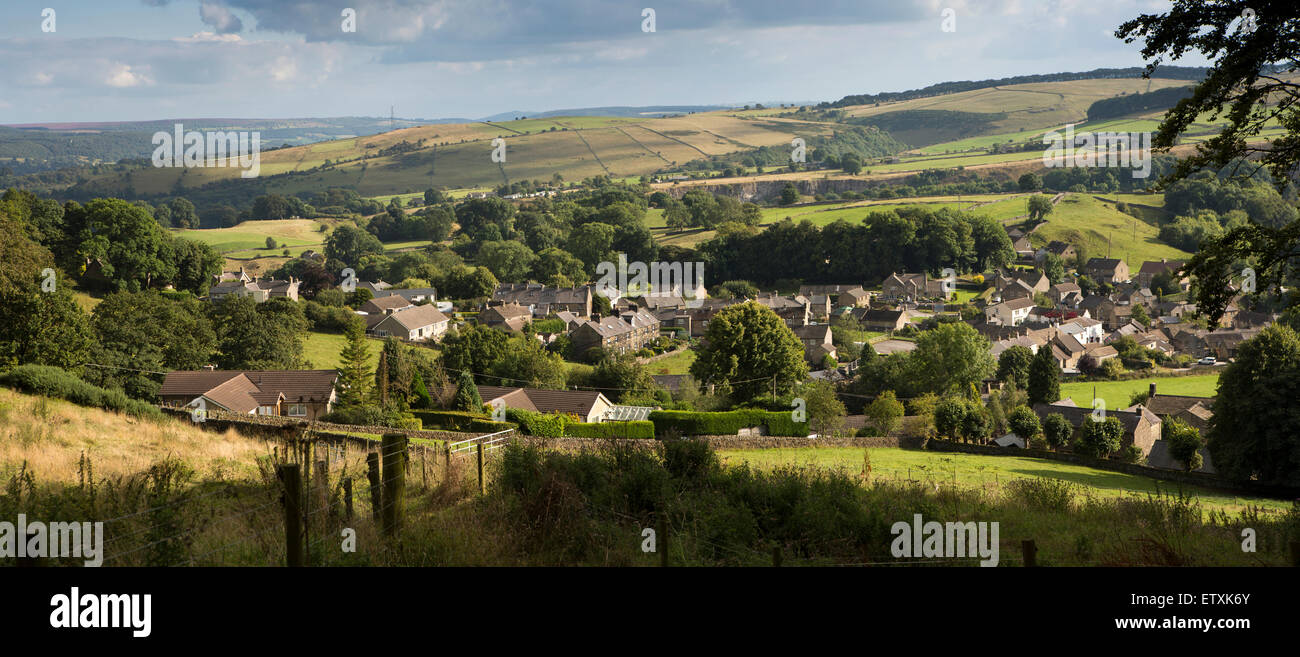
[
  {"x": 1130, "y": 454},
  {"x": 635, "y": 429},
  {"x": 532, "y": 423},
  {"x": 728, "y": 423},
  {"x": 55, "y": 382},
  {"x": 868, "y": 431}
]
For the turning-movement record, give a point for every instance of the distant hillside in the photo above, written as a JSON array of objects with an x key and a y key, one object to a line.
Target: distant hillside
[
  {"x": 1173, "y": 72},
  {"x": 1158, "y": 100}
]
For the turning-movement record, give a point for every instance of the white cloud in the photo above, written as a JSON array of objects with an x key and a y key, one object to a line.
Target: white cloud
[{"x": 123, "y": 75}]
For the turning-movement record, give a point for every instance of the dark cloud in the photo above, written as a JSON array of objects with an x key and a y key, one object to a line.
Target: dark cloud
[
  {"x": 460, "y": 30},
  {"x": 222, "y": 20}
]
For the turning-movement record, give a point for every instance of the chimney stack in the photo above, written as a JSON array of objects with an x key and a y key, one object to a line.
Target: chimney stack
[{"x": 1151, "y": 393}]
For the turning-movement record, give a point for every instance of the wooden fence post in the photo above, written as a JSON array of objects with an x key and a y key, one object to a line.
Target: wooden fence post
[
  {"x": 376, "y": 492},
  {"x": 291, "y": 476},
  {"x": 480, "y": 469},
  {"x": 347, "y": 497},
  {"x": 394, "y": 446},
  {"x": 1030, "y": 551}
]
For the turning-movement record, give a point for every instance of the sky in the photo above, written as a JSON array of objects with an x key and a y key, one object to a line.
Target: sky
[{"x": 129, "y": 60}]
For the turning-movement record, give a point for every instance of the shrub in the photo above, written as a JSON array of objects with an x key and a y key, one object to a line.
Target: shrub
[
  {"x": 1130, "y": 454},
  {"x": 727, "y": 423},
  {"x": 532, "y": 423},
  {"x": 1044, "y": 493},
  {"x": 55, "y": 382}
]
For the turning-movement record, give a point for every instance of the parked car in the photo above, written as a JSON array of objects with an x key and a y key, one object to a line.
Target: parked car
[{"x": 1208, "y": 360}]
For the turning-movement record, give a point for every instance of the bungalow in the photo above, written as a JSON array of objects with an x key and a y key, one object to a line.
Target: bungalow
[
  {"x": 385, "y": 305},
  {"x": 586, "y": 405},
  {"x": 414, "y": 323},
  {"x": 1095, "y": 354},
  {"x": 306, "y": 394}
]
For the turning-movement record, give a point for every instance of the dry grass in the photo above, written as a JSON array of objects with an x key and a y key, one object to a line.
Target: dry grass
[{"x": 51, "y": 436}]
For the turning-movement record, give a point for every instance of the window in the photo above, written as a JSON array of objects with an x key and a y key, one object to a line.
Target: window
[
  {"x": 296, "y": 410},
  {"x": 266, "y": 410}
]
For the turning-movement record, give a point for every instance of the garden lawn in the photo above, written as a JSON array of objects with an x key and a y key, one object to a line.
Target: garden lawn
[
  {"x": 1118, "y": 393},
  {"x": 975, "y": 470}
]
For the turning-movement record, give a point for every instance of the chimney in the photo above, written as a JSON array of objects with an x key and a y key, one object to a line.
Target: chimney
[{"x": 1151, "y": 393}]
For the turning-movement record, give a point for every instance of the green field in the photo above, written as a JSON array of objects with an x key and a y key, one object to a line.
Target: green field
[
  {"x": 322, "y": 350},
  {"x": 1118, "y": 393},
  {"x": 977, "y": 470},
  {"x": 1104, "y": 231},
  {"x": 679, "y": 363},
  {"x": 251, "y": 235}
]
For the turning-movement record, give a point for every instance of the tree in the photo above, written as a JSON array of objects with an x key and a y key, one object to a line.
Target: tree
[
  {"x": 1255, "y": 431},
  {"x": 509, "y": 261},
  {"x": 1242, "y": 86},
  {"x": 1024, "y": 422},
  {"x": 1057, "y": 430},
  {"x": 1030, "y": 182},
  {"x": 1013, "y": 366},
  {"x": 621, "y": 376},
  {"x": 1039, "y": 207},
  {"x": 253, "y": 336},
  {"x": 949, "y": 414},
  {"x": 1054, "y": 268},
  {"x": 1102, "y": 437},
  {"x": 885, "y": 412},
  {"x": 789, "y": 194},
  {"x": 825, "y": 410},
  {"x": 1140, "y": 316},
  {"x": 354, "y": 382},
  {"x": 851, "y": 164},
  {"x": 270, "y": 243},
  {"x": 132, "y": 250},
  {"x": 1185, "y": 443},
  {"x": 525, "y": 363},
  {"x": 348, "y": 244},
  {"x": 467, "y": 398},
  {"x": 1044, "y": 377},
  {"x": 750, "y": 349},
  {"x": 147, "y": 331},
  {"x": 951, "y": 358},
  {"x": 476, "y": 349}
]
